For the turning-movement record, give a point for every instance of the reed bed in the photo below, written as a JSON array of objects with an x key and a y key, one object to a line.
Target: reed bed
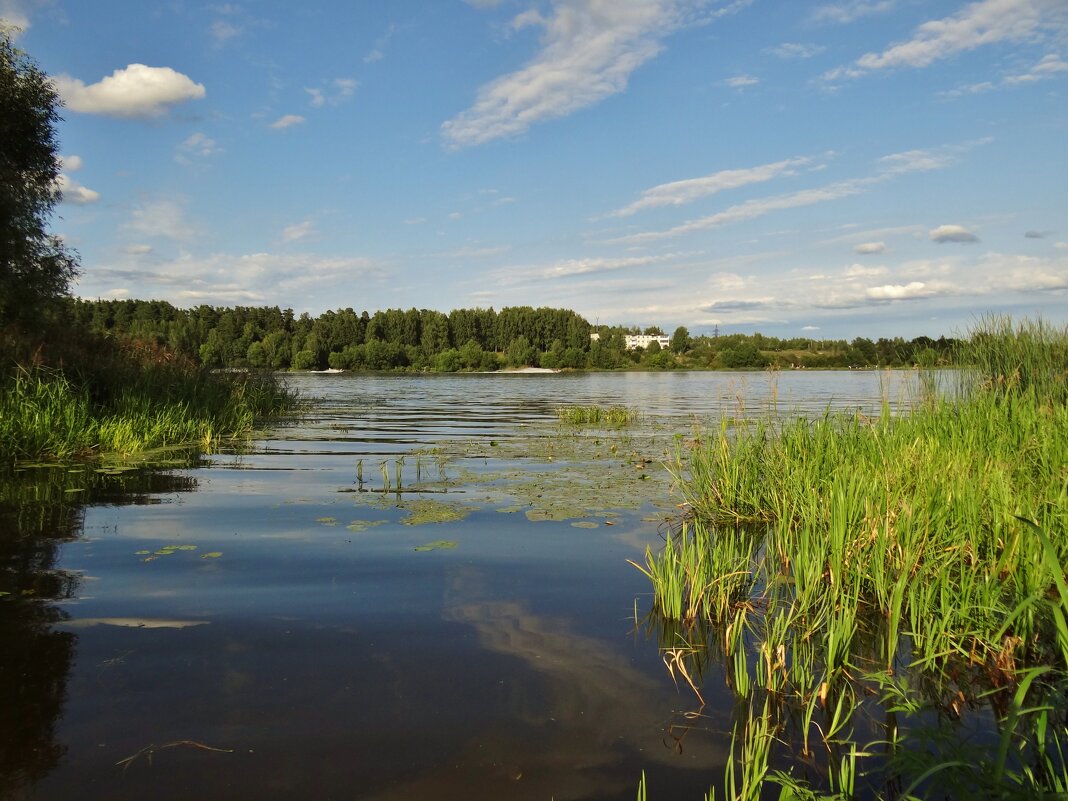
[
  {"x": 610, "y": 416},
  {"x": 44, "y": 414},
  {"x": 930, "y": 545}
]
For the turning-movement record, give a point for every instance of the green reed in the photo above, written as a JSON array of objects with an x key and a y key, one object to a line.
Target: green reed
[
  {"x": 932, "y": 543},
  {"x": 609, "y": 416},
  {"x": 47, "y": 414}
]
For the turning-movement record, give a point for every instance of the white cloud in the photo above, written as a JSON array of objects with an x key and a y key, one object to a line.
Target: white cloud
[
  {"x": 849, "y": 10},
  {"x": 196, "y": 144},
  {"x": 952, "y": 233},
  {"x": 222, "y": 31},
  {"x": 589, "y": 50},
  {"x": 378, "y": 52},
  {"x": 678, "y": 193},
  {"x": 483, "y": 3},
  {"x": 913, "y": 289},
  {"x": 70, "y": 163},
  {"x": 753, "y": 209},
  {"x": 161, "y": 218},
  {"x": 740, "y": 81},
  {"x": 976, "y": 25},
  {"x": 475, "y": 252},
  {"x": 74, "y": 192},
  {"x": 790, "y": 50},
  {"x": 302, "y": 230},
  {"x": 810, "y": 328},
  {"x": 13, "y": 13},
  {"x": 287, "y": 121},
  {"x": 138, "y": 249},
  {"x": 889, "y": 167},
  {"x": 337, "y": 91},
  {"x": 135, "y": 91},
  {"x": 863, "y": 271},
  {"x": 867, "y": 248},
  {"x": 1048, "y": 67},
  {"x": 226, "y": 279}
]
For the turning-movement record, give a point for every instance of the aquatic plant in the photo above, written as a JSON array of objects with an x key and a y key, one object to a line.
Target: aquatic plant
[
  {"x": 611, "y": 416},
  {"x": 931, "y": 545}
]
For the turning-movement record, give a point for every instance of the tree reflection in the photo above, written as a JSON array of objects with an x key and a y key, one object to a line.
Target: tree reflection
[{"x": 40, "y": 509}]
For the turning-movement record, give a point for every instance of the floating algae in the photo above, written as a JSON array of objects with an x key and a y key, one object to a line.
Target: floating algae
[
  {"x": 437, "y": 545},
  {"x": 429, "y": 511},
  {"x": 364, "y": 525}
]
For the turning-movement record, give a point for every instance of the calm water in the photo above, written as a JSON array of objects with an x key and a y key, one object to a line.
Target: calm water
[{"x": 307, "y": 634}]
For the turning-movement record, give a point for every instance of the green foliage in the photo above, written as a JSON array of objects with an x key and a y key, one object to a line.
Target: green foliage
[{"x": 35, "y": 268}]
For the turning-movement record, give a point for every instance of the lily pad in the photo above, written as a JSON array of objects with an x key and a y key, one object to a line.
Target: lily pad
[
  {"x": 327, "y": 521},
  {"x": 211, "y": 555},
  {"x": 585, "y": 524}
]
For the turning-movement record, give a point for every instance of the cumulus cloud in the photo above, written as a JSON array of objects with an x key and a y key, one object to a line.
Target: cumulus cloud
[
  {"x": 134, "y": 91},
  {"x": 678, "y": 193},
  {"x": 976, "y": 25},
  {"x": 74, "y": 192},
  {"x": 287, "y": 121},
  {"x": 589, "y": 50},
  {"x": 867, "y": 248},
  {"x": 70, "y": 190},
  {"x": 849, "y": 11},
  {"x": 952, "y": 233},
  {"x": 913, "y": 289}
]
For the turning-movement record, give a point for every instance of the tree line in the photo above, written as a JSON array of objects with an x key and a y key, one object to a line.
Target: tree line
[{"x": 463, "y": 339}]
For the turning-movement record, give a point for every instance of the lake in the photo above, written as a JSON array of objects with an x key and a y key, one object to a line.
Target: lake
[{"x": 417, "y": 589}]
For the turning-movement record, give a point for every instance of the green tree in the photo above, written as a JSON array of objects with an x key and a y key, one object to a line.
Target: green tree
[
  {"x": 35, "y": 267},
  {"x": 680, "y": 340}
]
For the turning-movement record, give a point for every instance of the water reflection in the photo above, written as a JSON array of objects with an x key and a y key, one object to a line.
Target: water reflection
[
  {"x": 340, "y": 662},
  {"x": 40, "y": 510}
]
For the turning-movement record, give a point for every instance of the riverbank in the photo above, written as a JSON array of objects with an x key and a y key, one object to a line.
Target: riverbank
[{"x": 106, "y": 398}]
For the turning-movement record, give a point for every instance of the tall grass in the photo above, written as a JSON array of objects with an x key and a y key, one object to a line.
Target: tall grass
[
  {"x": 611, "y": 416},
  {"x": 126, "y": 401},
  {"x": 931, "y": 544}
]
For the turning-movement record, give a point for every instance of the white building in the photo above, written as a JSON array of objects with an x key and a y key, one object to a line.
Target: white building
[{"x": 645, "y": 340}]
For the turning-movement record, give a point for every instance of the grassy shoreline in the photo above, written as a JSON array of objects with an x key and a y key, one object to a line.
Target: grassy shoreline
[
  {"x": 107, "y": 398},
  {"x": 919, "y": 558}
]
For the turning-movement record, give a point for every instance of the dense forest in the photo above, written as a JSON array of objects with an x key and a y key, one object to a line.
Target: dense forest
[{"x": 464, "y": 339}]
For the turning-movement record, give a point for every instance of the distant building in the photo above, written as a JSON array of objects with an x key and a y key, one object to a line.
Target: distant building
[{"x": 645, "y": 340}]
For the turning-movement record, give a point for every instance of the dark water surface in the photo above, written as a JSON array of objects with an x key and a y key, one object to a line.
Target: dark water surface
[{"x": 307, "y": 635}]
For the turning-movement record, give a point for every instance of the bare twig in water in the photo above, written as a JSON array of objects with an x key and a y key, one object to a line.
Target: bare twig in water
[{"x": 151, "y": 749}]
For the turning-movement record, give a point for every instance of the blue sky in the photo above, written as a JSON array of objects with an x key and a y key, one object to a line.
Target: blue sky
[{"x": 829, "y": 169}]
